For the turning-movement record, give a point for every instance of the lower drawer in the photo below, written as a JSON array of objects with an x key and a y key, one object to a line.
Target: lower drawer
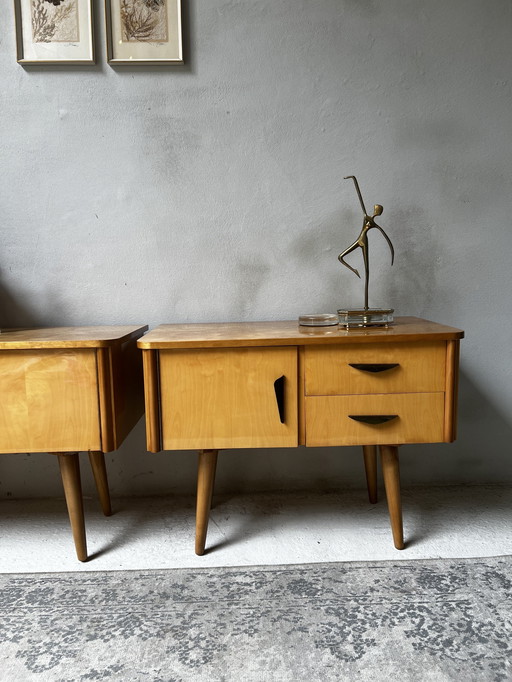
[{"x": 417, "y": 418}]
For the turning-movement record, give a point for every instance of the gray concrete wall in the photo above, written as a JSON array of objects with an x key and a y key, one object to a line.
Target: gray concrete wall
[{"x": 214, "y": 192}]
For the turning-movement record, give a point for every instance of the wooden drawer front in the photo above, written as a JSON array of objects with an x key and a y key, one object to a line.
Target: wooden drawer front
[
  {"x": 49, "y": 401},
  {"x": 420, "y": 419},
  {"x": 226, "y": 398},
  {"x": 421, "y": 368}
]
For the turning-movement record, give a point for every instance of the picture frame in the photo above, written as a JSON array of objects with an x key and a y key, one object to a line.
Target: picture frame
[
  {"x": 144, "y": 32},
  {"x": 54, "y": 31}
]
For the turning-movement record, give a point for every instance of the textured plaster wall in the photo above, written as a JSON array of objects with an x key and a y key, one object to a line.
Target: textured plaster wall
[{"x": 214, "y": 192}]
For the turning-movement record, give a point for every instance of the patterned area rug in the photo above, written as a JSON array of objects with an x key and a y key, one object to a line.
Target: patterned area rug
[{"x": 409, "y": 620}]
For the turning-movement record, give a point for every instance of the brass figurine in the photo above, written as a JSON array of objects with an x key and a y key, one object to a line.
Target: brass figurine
[{"x": 362, "y": 241}]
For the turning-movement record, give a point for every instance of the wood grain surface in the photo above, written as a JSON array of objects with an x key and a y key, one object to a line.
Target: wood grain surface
[
  {"x": 212, "y": 399},
  {"x": 232, "y": 334},
  {"x": 68, "y": 337}
]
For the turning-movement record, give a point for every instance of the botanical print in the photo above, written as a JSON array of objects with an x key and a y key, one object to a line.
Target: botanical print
[
  {"x": 144, "y": 21},
  {"x": 55, "y": 21}
]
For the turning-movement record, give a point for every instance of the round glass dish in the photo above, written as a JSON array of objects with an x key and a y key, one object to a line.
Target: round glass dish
[{"x": 318, "y": 320}]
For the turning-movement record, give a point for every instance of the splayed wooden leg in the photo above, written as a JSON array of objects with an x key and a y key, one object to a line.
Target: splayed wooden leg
[
  {"x": 207, "y": 466},
  {"x": 391, "y": 474},
  {"x": 70, "y": 473},
  {"x": 99, "y": 470},
  {"x": 370, "y": 466}
]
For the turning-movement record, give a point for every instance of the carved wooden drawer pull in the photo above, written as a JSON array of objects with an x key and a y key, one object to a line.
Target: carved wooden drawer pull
[
  {"x": 374, "y": 368},
  {"x": 373, "y": 418}
]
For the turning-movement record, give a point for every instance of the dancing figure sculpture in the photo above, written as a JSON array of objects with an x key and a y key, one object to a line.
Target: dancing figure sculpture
[{"x": 362, "y": 241}]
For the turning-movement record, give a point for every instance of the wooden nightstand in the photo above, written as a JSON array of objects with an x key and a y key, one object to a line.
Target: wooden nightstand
[
  {"x": 276, "y": 384},
  {"x": 70, "y": 389}
]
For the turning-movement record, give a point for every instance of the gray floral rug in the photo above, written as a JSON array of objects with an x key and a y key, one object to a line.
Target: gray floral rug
[{"x": 407, "y": 620}]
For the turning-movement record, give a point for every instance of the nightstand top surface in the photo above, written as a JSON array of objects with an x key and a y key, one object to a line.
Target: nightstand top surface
[
  {"x": 67, "y": 337},
  {"x": 289, "y": 333}
]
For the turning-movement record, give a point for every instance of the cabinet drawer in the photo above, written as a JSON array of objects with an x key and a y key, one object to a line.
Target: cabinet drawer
[
  {"x": 382, "y": 368},
  {"x": 228, "y": 398},
  {"x": 418, "y": 418}
]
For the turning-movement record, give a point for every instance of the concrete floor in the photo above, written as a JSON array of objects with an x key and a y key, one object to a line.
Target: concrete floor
[{"x": 270, "y": 528}]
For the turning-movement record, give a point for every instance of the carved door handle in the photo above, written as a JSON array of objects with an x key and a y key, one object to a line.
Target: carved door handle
[
  {"x": 373, "y": 418},
  {"x": 279, "y": 391},
  {"x": 373, "y": 367}
]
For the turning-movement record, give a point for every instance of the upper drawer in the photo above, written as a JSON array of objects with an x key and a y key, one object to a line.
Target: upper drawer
[{"x": 418, "y": 368}]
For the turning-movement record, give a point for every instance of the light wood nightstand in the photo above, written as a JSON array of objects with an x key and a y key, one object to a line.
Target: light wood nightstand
[
  {"x": 70, "y": 389},
  {"x": 276, "y": 384}
]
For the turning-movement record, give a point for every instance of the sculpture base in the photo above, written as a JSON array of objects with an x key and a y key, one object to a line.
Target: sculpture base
[
  {"x": 371, "y": 317},
  {"x": 318, "y": 320}
]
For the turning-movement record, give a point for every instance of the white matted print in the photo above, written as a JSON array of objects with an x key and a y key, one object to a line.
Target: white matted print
[
  {"x": 144, "y": 31},
  {"x": 54, "y": 31}
]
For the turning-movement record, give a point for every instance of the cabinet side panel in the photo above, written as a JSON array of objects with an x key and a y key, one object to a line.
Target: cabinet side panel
[
  {"x": 127, "y": 389},
  {"x": 451, "y": 393},
  {"x": 227, "y": 398},
  {"x": 152, "y": 400},
  {"x": 49, "y": 401},
  {"x": 105, "y": 396}
]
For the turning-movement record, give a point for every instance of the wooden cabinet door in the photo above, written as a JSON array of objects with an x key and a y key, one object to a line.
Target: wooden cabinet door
[
  {"x": 228, "y": 398},
  {"x": 48, "y": 401}
]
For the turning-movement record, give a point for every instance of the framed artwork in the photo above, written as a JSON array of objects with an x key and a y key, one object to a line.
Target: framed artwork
[
  {"x": 54, "y": 31},
  {"x": 144, "y": 32}
]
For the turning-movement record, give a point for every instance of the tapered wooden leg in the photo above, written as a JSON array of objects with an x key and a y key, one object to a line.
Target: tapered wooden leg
[
  {"x": 370, "y": 467},
  {"x": 70, "y": 472},
  {"x": 207, "y": 466},
  {"x": 391, "y": 474},
  {"x": 97, "y": 460}
]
